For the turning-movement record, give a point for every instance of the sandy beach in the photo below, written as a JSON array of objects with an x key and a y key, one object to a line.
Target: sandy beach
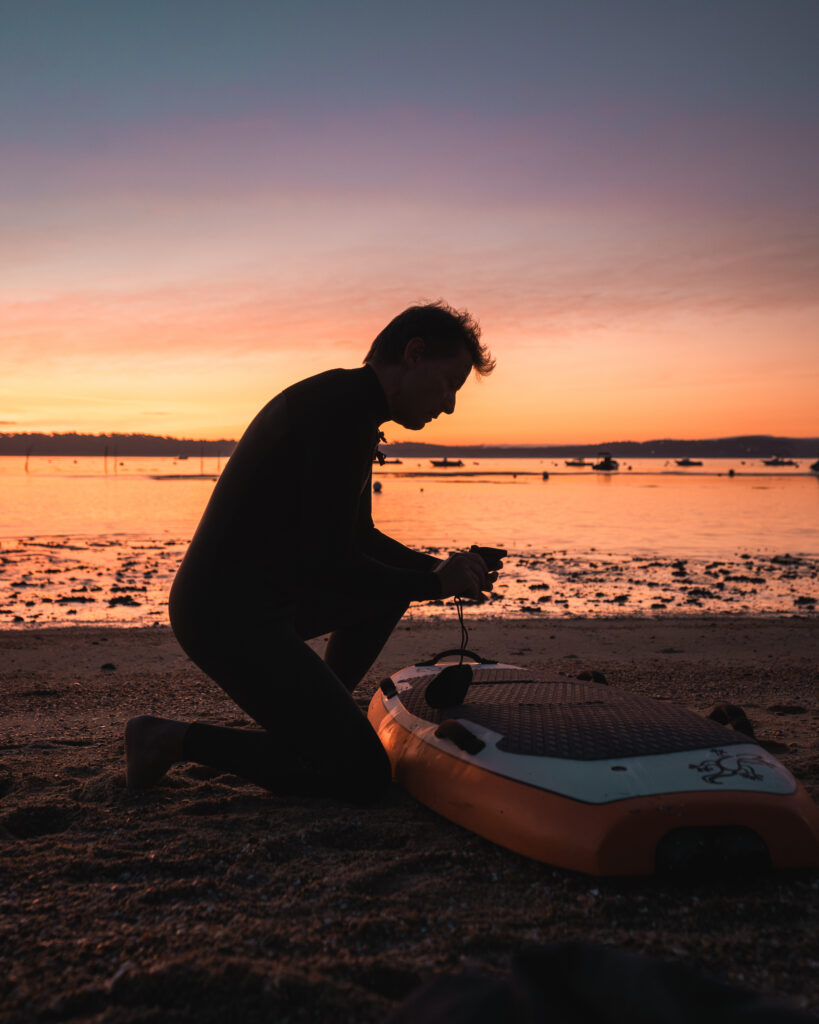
[{"x": 207, "y": 898}]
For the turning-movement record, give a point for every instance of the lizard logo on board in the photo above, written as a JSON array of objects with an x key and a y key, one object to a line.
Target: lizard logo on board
[{"x": 730, "y": 766}]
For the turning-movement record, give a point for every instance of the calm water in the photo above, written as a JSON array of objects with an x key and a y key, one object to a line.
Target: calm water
[
  {"x": 654, "y": 508},
  {"x": 79, "y": 544}
]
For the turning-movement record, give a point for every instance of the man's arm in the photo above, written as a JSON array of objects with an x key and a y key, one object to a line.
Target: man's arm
[
  {"x": 393, "y": 552},
  {"x": 330, "y": 452},
  {"x": 371, "y": 541}
]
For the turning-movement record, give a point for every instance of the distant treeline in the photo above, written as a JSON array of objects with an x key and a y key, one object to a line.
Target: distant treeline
[
  {"x": 134, "y": 445},
  {"x": 757, "y": 446}
]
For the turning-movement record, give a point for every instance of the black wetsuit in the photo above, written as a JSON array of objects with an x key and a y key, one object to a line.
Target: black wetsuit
[{"x": 287, "y": 550}]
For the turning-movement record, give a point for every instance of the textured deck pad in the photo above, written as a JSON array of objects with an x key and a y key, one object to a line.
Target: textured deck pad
[{"x": 578, "y": 721}]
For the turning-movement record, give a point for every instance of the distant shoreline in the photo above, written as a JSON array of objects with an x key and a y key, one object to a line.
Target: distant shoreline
[{"x": 757, "y": 446}]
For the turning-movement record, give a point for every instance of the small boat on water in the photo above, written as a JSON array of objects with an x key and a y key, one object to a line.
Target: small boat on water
[
  {"x": 777, "y": 460},
  {"x": 815, "y": 467},
  {"x": 445, "y": 462},
  {"x": 688, "y": 462},
  {"x": 391, "y": 462},
  {"x": 607, "y": 464},
  {"x": 577, "y": 462}
]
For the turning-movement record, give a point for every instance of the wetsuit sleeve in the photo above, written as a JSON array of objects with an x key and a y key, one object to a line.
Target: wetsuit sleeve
[
  {"x": 393, "y": 552},
  {"x": 368, "y": 574},
  {"x": 378, "y": 545},
  {"x": 330, "y": 485}
]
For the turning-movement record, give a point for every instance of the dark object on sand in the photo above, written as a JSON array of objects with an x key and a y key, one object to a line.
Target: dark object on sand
[
  {"x": 593, "y": 676},
  {"x": 733, "y": 716},
  {"x": 580, "y": 983}
]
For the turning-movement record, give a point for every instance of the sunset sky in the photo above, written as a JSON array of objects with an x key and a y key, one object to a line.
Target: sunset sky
[{"x": 202, "y": 202}]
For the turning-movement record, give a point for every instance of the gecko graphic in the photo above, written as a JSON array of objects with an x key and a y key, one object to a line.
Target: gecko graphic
[{"x": 727, "y": 766}]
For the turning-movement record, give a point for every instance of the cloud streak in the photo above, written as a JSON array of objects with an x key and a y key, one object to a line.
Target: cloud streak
[{"x": 625, "y": 197}]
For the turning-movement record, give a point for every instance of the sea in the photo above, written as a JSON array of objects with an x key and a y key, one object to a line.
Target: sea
[{"x": 97, "y": 541}]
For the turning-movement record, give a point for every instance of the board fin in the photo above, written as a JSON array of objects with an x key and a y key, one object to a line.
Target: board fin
[{"x": 448, "y": 688}]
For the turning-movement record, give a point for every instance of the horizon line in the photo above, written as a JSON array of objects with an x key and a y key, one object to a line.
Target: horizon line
[{"x": 9, "y": 435}]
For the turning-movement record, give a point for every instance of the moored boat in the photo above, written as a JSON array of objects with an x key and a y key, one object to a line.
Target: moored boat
[
  {"x": 607, "y": 464},
  {"x": 777, "y": 460}
]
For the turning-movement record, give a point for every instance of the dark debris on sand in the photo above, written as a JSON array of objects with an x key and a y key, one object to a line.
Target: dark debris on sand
[{"x": 125, "y": 581}]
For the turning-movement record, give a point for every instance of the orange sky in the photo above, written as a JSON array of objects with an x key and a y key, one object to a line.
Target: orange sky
[
  {"x": 638, "y": 242},
  {"x": 572, "y": 365}
]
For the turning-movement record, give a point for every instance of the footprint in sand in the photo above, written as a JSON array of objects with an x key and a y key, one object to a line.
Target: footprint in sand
[{"x": 38, "y": 820}]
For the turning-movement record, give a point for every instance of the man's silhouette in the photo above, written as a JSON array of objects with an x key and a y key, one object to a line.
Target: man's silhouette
[{"x": 287, "y": 550}]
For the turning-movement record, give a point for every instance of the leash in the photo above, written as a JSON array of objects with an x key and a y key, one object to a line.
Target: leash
[{"x": 459, "y": 604}]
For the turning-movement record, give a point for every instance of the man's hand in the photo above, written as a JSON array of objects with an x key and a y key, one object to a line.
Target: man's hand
[{"x": 464, "y": 574}]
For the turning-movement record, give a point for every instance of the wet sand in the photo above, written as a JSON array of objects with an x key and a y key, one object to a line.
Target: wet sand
[
  {"x": 123, "y": 580},
  {"x": 207, "y": 898}
]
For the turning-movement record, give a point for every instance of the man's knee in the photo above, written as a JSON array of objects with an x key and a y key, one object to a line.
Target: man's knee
[{"x": 380, "y": 612}]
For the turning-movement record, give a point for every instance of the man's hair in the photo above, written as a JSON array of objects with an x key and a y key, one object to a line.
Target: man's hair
[{"x": 443, "y": 330}]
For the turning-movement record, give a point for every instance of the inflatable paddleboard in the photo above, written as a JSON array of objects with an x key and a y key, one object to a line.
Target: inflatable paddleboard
[{"x": 584, "y": 776}]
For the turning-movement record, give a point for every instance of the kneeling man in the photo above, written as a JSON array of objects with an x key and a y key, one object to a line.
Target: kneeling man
[{"x": 287, "y": 550}]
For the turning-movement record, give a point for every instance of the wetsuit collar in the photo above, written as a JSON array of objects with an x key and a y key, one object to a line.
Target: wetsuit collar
[{"x": 377, "y": 400}]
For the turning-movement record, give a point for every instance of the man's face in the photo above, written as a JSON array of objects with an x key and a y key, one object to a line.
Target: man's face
[{"x": 429, "y": 386}]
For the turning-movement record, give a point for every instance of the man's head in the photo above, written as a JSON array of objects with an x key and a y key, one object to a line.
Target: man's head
[{"x": 423, "y": 357}]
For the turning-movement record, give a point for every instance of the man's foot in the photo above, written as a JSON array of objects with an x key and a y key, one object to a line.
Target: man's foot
[{"x": 152, "y": 745}]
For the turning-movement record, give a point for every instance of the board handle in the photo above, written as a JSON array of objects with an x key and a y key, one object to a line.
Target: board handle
[
  {"x": 456, "y": 650},
  {"x": 457, "y": 733}
]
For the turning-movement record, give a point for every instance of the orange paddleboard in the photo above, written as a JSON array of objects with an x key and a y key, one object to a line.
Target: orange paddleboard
[{"x": 592, "y": 778}]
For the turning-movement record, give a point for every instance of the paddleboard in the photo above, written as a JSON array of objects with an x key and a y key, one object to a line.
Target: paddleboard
[{"x": 589, "y": 777}]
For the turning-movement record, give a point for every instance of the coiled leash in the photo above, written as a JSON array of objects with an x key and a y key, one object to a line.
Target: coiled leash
[{"x": 448, "y": 688}]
